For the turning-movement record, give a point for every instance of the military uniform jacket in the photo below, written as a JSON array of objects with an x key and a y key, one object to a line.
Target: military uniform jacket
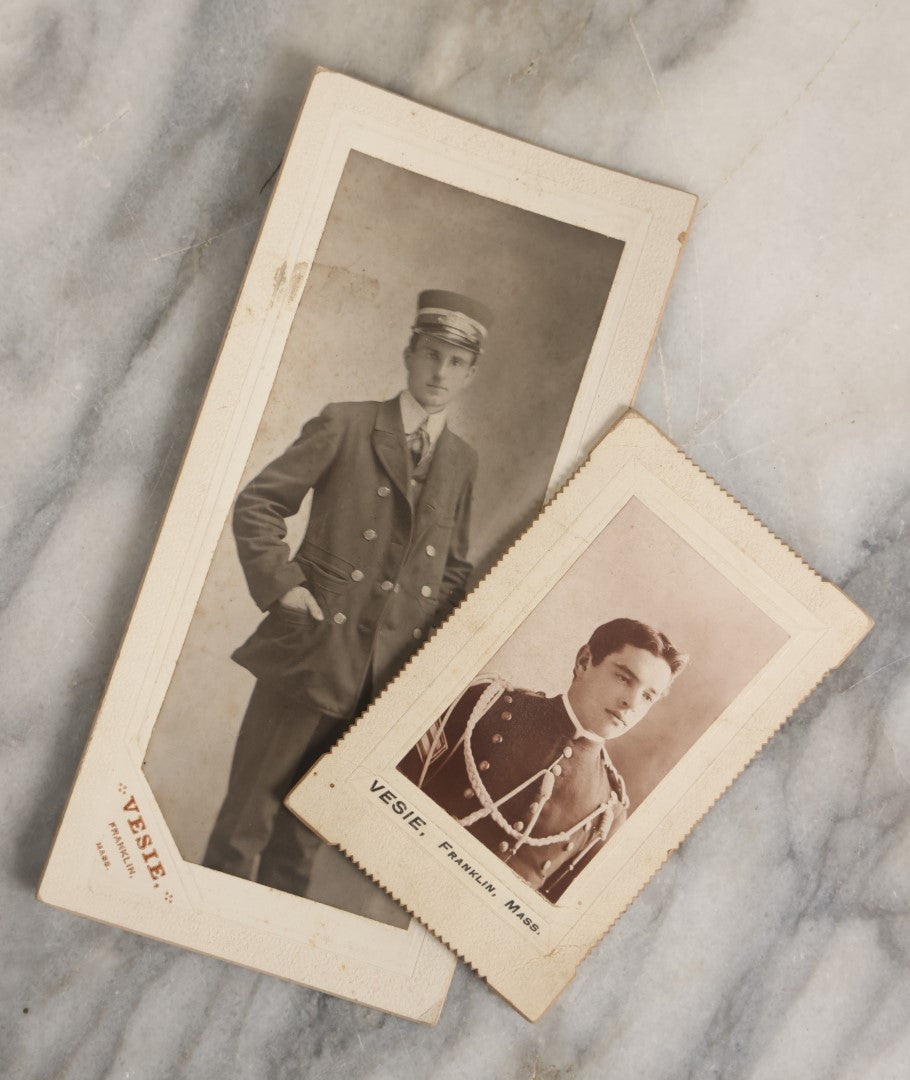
[
  {"x": 518, "y": 738},
  {"x": 383, "y": 564}
]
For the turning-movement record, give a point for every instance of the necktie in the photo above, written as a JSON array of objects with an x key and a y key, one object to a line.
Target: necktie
[{"x": 419, "y": 448}]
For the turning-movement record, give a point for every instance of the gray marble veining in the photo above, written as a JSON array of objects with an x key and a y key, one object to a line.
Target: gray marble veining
[{"x": 138, "y": 146}]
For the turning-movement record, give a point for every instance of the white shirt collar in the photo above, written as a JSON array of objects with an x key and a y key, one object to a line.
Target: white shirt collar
[
  {"x": 580, "y": 731},
  {"x": 413, "y": 415}
]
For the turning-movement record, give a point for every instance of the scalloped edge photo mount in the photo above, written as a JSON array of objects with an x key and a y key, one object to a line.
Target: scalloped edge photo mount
[{"x": 529, "y": 970}]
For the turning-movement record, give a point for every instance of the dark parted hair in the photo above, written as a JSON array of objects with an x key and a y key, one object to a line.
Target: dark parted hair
[{"x": 612, "y": 636}]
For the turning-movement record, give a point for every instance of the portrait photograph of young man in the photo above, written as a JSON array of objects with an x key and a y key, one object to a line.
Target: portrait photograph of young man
[
  {"x": 592, "y": 701},
  {"x": 530, "y": 775}
]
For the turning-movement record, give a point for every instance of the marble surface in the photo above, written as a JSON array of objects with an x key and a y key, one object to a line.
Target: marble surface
[{"x": 137, "y": 144}]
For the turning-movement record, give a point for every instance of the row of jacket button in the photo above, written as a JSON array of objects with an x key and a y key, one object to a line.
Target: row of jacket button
[
  {"x": 339, "y": 618},
  {"x": 391, "y": 586},
  {"x": 387, "y": 586},
  {"x": 519, "y": 826},
  {"x": 371, "y": 534}
]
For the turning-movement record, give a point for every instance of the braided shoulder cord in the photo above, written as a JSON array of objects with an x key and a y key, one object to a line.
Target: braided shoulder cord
[
  {"x": 597, "y": 837},
  {"x": 489, "y": 808},
  {"x": 440, "y": 727},
  {"x": 616, "y": 779},
  {"x": 620, "y": 797}
]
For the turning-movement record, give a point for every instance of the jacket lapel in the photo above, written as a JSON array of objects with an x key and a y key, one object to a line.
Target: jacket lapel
[
  {"x": 444, "y": 472},
  {"x": 389, "y": 444}
]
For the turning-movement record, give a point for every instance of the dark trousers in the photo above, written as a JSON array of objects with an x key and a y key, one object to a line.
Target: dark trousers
[{"x": 255, "y": 836}]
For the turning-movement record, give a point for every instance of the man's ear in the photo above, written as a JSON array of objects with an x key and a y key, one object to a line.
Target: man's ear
[{"x": 583, "y": 661}]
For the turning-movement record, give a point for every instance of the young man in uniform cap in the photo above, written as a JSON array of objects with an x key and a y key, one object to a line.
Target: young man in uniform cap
[
  {"x": 384, "y": 558},
  {"x": 530, "y": 776}
]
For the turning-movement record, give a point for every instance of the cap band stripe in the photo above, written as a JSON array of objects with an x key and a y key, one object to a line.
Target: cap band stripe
[{"x": 454, "y": 326}]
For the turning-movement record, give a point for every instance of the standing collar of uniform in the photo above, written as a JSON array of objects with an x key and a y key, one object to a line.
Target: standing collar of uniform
[
  {"x": 581, "y": 731},
  {"x": 616, "y": 780},
  {"x": 413, "y": 415}
]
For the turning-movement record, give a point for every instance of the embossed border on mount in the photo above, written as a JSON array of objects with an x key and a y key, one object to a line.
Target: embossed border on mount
[
  {"x": 530, "y": 970},
  {"x": 97, "y": 867}
]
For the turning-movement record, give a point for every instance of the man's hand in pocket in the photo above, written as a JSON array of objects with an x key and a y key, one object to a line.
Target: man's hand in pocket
[{"x": 301, "y": 599}]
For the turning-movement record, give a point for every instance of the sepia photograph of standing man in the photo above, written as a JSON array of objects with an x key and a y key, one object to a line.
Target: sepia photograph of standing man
[{"x": 384, "y": 559}]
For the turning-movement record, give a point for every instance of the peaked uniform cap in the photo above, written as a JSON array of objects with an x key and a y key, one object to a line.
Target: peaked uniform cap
[{"x": 454, "y": 318}]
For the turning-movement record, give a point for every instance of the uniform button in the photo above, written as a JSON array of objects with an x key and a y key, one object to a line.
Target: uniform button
[
  {"x": 587, "y": 826},
  {"x": 569, "y": 846},
  {"x": 469, "y": 793},
  {"x": 356, "y": 575},
  {"x": 340, "y": 617},
  {"x": 497, "y": 739},
  {"x": 507, "y": 716},
  {"x": 425, "y": 590},
  {"x": 383, "y": 492},
  {"x": 519, "y": 826},
  {"x": 413, "y": 481},
  {"x": 567, "y": 752},
  {"x": 397, "y": 587},
  {"x": 508, "y": 699},
  {"x": 534, "y": 807},
  {"x": 556, "y": 770},
  {"x": 416, "y": 632},
  {"x": 484, "y": 765},
  {"x": 547, "y": 863},
  {"x": 387, "y": 586},
  {"x": 431, "y": 551},
  {"x": 503, "y": 846},
  {"x": 369, "y": 534}
]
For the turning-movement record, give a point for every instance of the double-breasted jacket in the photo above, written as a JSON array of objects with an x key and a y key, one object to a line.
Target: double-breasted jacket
[
  {"x": 384, "y": 558},
  {"x": 515, "y": 771}
]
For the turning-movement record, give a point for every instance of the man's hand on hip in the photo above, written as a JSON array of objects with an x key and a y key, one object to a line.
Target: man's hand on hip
[{"x": 301, "y": 599}]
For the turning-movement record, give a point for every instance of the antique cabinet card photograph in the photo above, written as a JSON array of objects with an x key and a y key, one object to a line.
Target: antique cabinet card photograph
[
  {"x": 531, "y": 768},
  {"x": 437, "y": 324}
]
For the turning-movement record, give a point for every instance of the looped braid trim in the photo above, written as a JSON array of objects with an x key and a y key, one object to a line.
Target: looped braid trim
[{"x": 489, "y": 807}]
